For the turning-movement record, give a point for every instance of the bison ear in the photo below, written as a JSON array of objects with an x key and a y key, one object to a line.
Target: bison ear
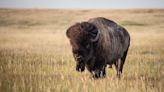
[
  {"x": 67, "y": 33},
  {"x": 71, "y": 29},
  {"x": 91, "y": 29}
]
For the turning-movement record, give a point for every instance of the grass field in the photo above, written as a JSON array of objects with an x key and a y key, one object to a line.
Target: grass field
[{"x": 35, "y": 55}]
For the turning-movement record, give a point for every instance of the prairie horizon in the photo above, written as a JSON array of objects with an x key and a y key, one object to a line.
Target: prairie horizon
[
  {"x": 35, "y": 54},
  {"x": 89, "y": 4}
]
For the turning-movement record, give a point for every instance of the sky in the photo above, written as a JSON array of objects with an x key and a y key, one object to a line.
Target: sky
[{"x": 84, "y": 4}]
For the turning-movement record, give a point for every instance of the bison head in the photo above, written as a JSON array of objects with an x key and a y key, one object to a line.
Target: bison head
[{"x": 82, "y": 37}]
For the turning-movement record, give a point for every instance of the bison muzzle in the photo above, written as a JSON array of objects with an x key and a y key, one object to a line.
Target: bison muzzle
[{"x": 97, "y": 43}]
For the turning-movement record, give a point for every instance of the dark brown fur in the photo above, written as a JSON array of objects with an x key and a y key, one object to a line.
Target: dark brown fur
[{"x": 110, "y": 48}]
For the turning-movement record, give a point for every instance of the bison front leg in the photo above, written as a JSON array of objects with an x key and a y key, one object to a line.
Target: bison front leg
[
  {"x": 96, "y": 73},
  {"x": 99, "y": 72}
]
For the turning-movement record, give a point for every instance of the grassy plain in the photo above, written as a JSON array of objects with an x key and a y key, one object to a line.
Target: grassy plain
[{"x": 35, "y": 55}]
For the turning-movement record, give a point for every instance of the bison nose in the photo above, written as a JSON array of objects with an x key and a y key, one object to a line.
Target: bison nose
[
  {"x": 78, "y": 57},
  {"x": 80, "y": 68}
]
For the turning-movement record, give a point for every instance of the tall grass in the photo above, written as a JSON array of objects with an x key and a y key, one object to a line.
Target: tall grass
[{"x": 35, "y": 55}]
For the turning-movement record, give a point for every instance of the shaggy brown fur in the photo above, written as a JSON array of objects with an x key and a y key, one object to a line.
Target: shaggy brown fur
[{"x": 112, "y": 44}]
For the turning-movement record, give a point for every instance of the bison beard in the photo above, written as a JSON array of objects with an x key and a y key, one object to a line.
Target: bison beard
[{"x": 97, "y": 43}]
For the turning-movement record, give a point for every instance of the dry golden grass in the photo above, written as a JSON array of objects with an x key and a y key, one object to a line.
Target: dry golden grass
[{"x": 35, "y": 55}]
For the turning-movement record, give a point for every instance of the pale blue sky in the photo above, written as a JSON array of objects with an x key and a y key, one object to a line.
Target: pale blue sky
[{"x": 87, "y": 4}]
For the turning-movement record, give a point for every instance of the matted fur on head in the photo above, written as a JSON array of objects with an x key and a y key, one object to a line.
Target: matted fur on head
[{"x": 81, "y": 36}]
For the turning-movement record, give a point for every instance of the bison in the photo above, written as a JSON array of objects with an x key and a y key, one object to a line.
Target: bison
[{"x": 97, "y": 43}]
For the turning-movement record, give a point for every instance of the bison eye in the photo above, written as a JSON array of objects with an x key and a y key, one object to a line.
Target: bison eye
[{"x": 88, "y": 46}]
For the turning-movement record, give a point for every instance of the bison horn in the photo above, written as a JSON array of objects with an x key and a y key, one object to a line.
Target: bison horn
[{"x": 97, "y": 36}]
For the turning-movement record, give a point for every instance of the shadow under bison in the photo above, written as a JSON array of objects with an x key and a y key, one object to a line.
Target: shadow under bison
[{"x": 97, "y": 43}]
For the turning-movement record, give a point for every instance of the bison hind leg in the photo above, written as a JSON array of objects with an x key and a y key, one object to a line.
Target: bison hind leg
[
  {"x": 104, "y": 71},
  {"x": 120, "y": 63},
  {"x": 117, "y": 66},
  {"x": 123, "y": 60}
]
